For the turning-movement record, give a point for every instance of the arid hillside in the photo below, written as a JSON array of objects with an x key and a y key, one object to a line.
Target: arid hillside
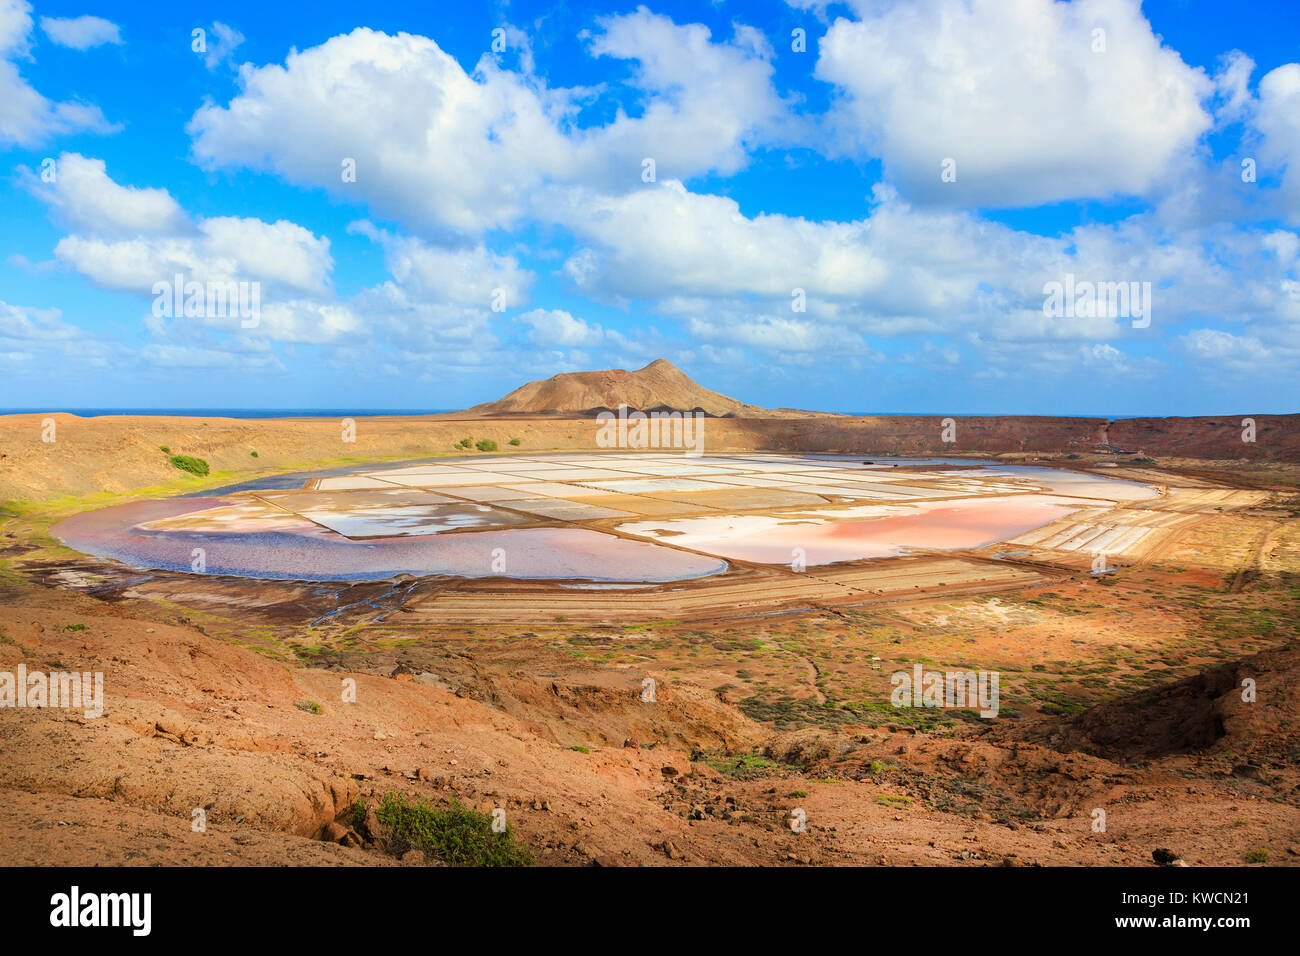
[
  {"x": 121, "y": 454},
  {"x": 660, "y": 385}
]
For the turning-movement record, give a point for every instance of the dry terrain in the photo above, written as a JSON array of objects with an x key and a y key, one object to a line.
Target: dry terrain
[{"x": 1120, "y": 692}]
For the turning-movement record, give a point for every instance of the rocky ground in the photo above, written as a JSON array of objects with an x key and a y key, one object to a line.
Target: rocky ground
[{"x": 193, "y": 722}]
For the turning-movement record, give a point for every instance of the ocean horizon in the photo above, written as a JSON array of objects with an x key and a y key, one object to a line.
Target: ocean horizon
[{"x": 416, "y": 412}]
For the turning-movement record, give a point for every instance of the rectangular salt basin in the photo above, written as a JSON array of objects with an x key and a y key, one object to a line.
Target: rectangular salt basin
[
  {"x": 743, "y": 499},
  {"x": 415, "y": 470},
  {"x": 465, "y": 477},
  {"x": 757, "y": 481},
  {"x": 634, "y": 486},
  {"x": 553, "y": 489},
  {"x": 847, "y": 492},
  {"x": 583, "y": 474},
  {"x": 487, "y": 492},
  {"x": 350, "y": 483},
  {"x": 389, "y": 496},
  {"x": 419, "y": 519},
  {"x": 558, "y": 508},
  {"x": 514, "y": 464},
  {"x": 671, "y": 469},
  {"x": 826, "y": 536}
]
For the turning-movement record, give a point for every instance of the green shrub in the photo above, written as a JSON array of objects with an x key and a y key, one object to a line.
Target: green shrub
[
  {"x": 195, "y": 466},
  {"x": 356, "y": 814},
  {"x": 253, "y": 453},
  {"x": 464, "y": 443},
  {"x": 515, "y": 442},
  {"x": 456, "y": 835},
  {"x": 485, "y": 444},
  {"x": 164, "y": 449},
  {"x": 310, "y": 706},
  {"x": 1257, "y": 854}
]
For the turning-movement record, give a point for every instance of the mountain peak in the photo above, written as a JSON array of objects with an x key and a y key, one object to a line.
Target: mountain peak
[
  {"x": 659, "y": 386},
  {"x": 662, "y": 364}
]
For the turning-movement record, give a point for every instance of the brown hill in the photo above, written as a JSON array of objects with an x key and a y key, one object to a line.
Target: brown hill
[{"x": 659, "y": 386}]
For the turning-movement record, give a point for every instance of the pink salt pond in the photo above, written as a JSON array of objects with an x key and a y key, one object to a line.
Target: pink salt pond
[
  {"x": 299, "y": 550},
  {"x": 875, "y": 531}
]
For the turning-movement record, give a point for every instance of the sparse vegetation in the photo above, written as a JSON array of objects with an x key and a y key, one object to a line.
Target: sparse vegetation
[
  {"x": 515, "y": 441},
  {"x": 1257, "y": 854},
  {"x": 456, "y": 835},
  {"x": 893, "y": 800},
  {"x": 195, "y": 466},
  {"x": 485, "y": 444},
  {"x": 743, "y": 766},
  {"x": 310, "y": 706}
]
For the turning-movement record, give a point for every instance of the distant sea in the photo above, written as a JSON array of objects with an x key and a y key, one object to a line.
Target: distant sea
[
  {"x": 232, "y": 412},
  {"x": 362, "y": 412}
]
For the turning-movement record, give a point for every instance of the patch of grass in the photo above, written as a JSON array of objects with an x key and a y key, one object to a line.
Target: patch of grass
[
  {"x": 456, "y": 835},
  {"x": 797, "y": 794},
  {"x": 581, "y": 749},
  {"x": 74, "y": 627},
  {"x": 742, "y": 766},
  {"x": 195, "y": 466},
  {"x": 485, "y": 444},
  {"x": 893, "y": 800},
  {"x": 310, "y": 706}
]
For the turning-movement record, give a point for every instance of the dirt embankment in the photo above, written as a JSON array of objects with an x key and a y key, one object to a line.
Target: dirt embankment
[
  {"x": 118, "y": 454},
  {"x": 1275, "y": 437}
]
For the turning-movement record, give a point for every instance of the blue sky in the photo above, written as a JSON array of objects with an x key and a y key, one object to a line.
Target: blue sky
[{"x": 871, "y": 223}]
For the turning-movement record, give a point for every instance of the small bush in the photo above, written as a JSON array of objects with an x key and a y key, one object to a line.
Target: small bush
[
  {"x": 164, "y": 449},
  {"x": 485, "y": 444},
  {"x": 1257, "y": 854},
  {"x": 515, "y": 442},
  {"x": 464, "y": 443},
  {"x": 456, "y": 835},
  {"x": 253, "y": 453},
  {"x": 195, "y": 466},
  {"x": 310, "y": 706},
  {"x": 581, "y": 749},
  {"x": 356, "y": 815}
]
